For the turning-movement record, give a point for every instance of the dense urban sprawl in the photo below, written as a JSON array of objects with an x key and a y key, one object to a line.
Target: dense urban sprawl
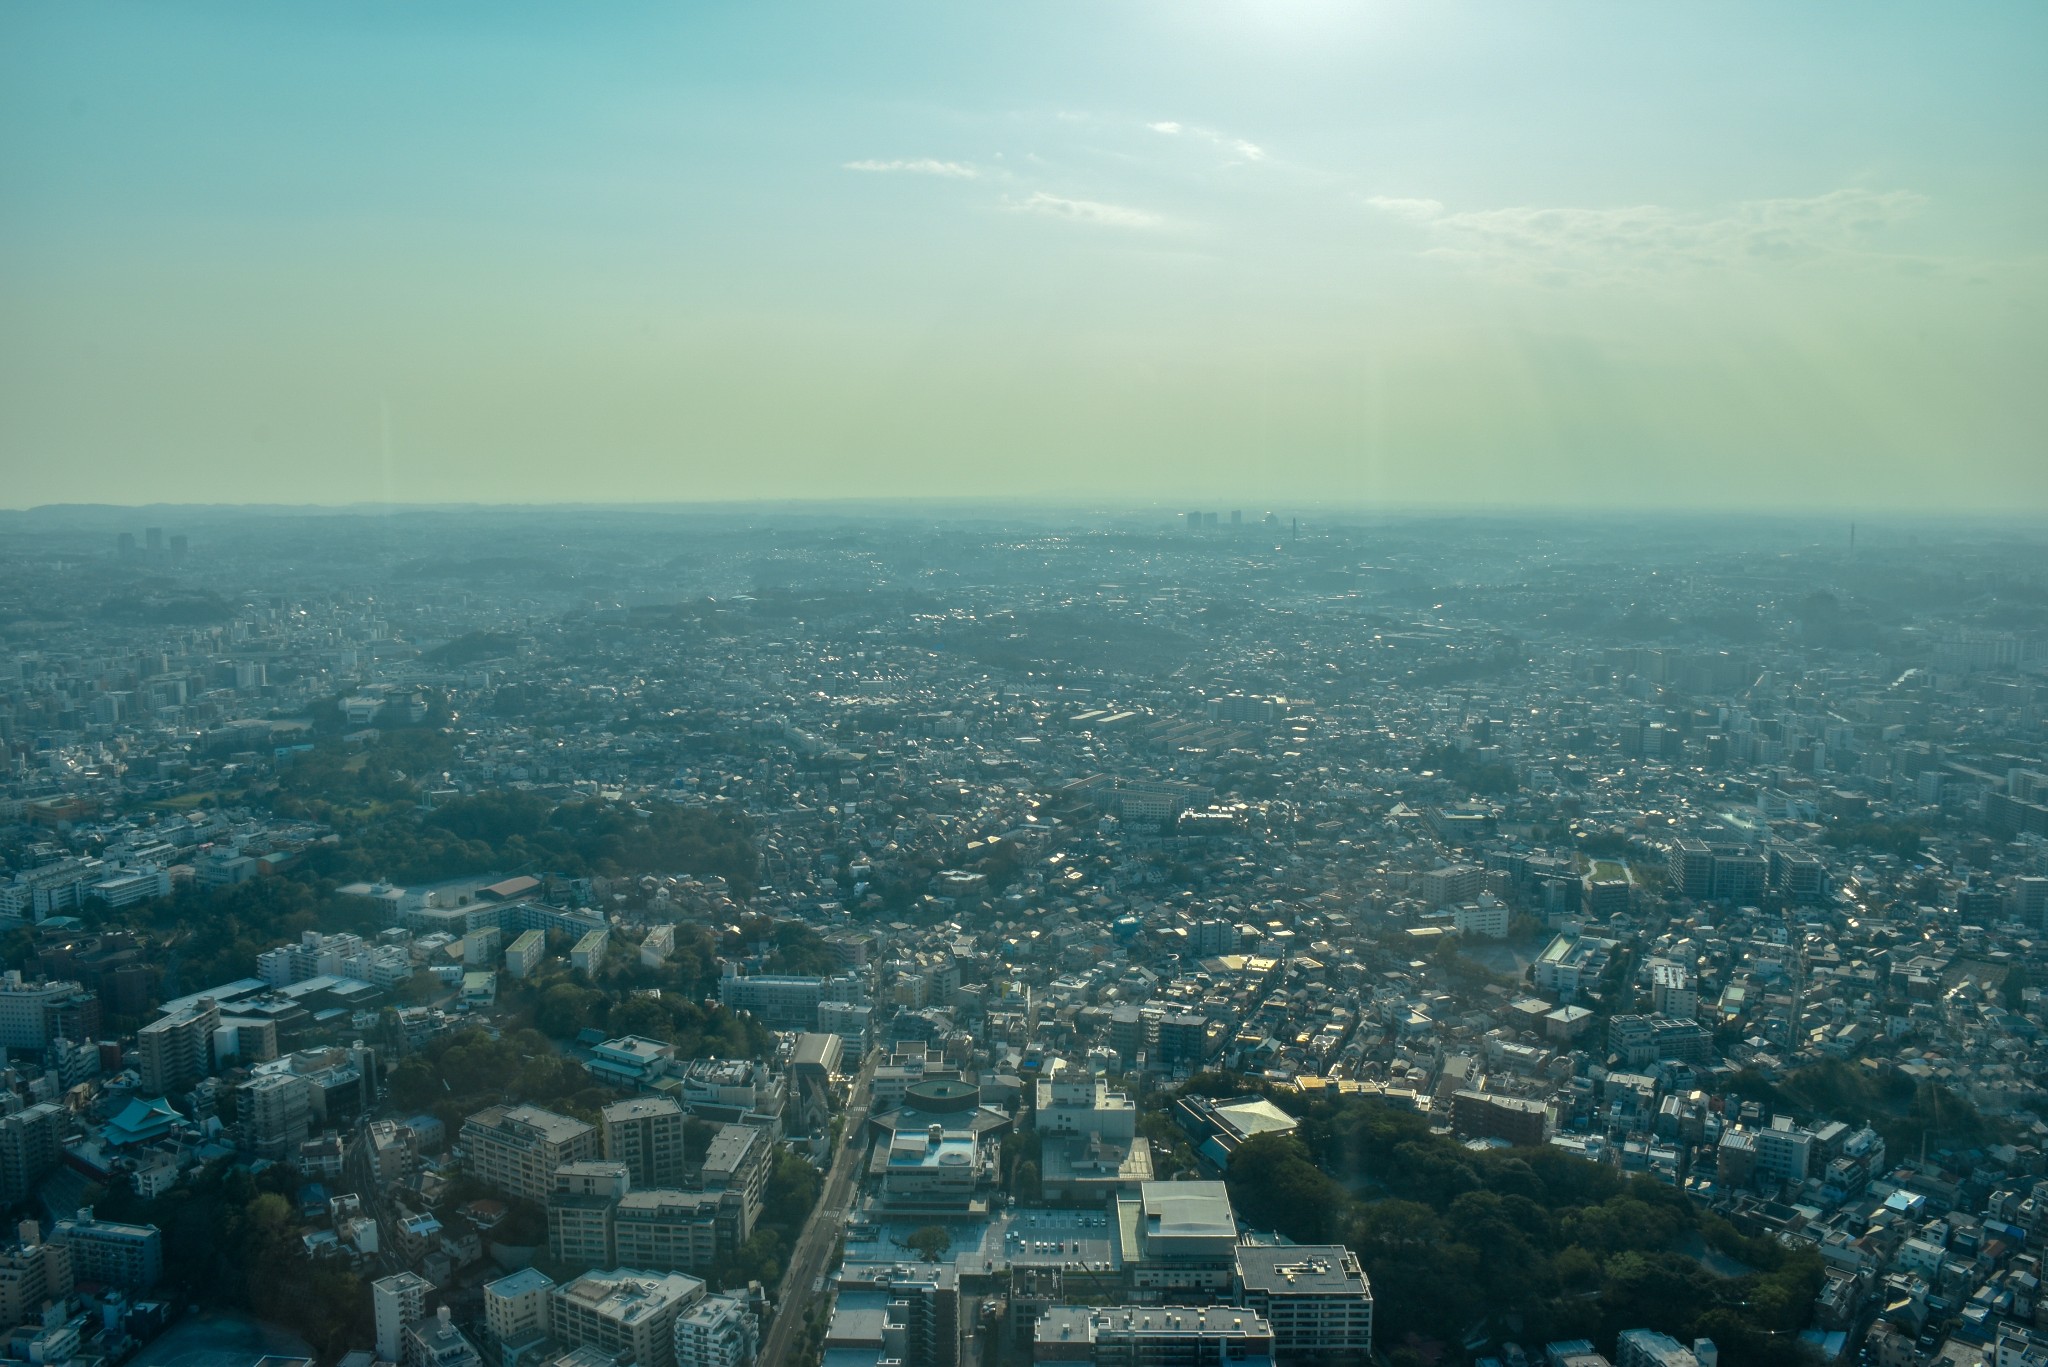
[{"x": 587, "y": 937}]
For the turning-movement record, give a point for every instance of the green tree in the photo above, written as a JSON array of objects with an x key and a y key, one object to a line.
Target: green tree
[{"x": 929, "y": 1242}]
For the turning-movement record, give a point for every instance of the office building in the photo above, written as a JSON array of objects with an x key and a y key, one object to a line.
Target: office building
[
  {"x": 1641, "y": 1040},
  {"x": 920, "y": 1313},
  {"x": 1648, "y": 1348},
  {"x": 933, "y": 1173},
  {"x": 1784, "y": 1152},
  {"x": 1673, "y": 993}
]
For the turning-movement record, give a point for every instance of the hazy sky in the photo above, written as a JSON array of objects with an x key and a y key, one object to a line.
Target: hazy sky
[{"x": 1252, "y": 253}]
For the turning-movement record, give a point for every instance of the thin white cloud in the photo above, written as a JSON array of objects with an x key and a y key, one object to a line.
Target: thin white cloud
[
  {"x": 1417, "y": 210},
  {"x": 1241, "y": 148},
  {"x": 1084, "y": 211},
  {"x": 1571, "y": 245},
  {"x": 920, "y": 166}
]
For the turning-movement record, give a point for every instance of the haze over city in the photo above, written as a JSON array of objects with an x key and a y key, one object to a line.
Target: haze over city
[{"x": 1267, "y": 682}]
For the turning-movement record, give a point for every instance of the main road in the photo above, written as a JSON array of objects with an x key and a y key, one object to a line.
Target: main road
[{"x": 804, "y": 1279}]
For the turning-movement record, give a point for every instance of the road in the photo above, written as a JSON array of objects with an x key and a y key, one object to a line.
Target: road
[{"x": 804, "y": 1279}]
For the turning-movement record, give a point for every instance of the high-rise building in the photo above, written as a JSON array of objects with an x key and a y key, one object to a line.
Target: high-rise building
[
  {"x": 1692, "y": 869},
  {"x": 921, "y": 1319},
  {"x": 738, "y": 1159},
  {"x": 28, "y": 1012},
  {"x": 517, "y": 1148},
  {"x": 646, "y": 1134},
  {"x": 175, "y": 1051},
  {"x": 31, "y": 1143},
  {"x": 31, "y": 1273},
  {"x": 399, "y": 1302},
  {"x": 580, "y": 1211},
  {"x": 275, "y": 1112}
]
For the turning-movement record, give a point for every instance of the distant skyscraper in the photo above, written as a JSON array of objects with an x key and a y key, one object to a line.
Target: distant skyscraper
[
  {"x": 1194, "y": 520},
  {"x": 1237, "y": 517}
]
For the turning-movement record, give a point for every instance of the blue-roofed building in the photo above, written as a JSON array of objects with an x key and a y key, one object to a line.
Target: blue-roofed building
[{"x": 143, "y": 1121}]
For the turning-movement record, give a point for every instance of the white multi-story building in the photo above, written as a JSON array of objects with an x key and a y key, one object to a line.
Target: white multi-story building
[
  {"x": 25, "y": 1011},
  {"x": 437, "y": 1342},
  {"x": 625, "y": 1311},
  {"x": 1784, "y": 1151},
  {"x": 517, "y": 1148},
  {"x": 399, "y": 1302},
  {"x": 1076, "y": 1102},
  {"x": 516, "y": 1307},
  {"x": 1152, "y": 1333},
  {"x": 718, "y": 1331},
  {"x": 1316, "y": 1298}
]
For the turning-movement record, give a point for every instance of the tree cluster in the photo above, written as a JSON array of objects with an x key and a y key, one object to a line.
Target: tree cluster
[
  {"x": 1461, "y": 1243},
  {"x": 231, "y": 1242}
]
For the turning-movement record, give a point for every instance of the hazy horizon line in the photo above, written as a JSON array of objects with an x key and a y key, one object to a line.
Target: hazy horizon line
[{"x": 1253, "y": 513}]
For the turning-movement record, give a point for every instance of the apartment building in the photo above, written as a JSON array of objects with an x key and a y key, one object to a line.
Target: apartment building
[
  {"x": 646, "y": 1134},
  {"x": 624, "y": 1312},
  {"x": 1316, "y": 1298},
  {"x": 517, "y": 1148}
]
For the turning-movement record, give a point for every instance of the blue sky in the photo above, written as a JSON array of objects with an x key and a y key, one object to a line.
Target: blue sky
[{"x": 1271, "y": 253}]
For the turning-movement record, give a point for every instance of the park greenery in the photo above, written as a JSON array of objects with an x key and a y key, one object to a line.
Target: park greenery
[
  {"x": 370, "y": 793},
  {"x": 1511, "y": 1243},
  {"x": 231, "y": 1240},
  {"x": 1907, "y": 1113}
]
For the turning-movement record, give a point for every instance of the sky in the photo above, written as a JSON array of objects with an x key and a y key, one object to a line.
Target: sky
[{"x": 1256, "y": 253}]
